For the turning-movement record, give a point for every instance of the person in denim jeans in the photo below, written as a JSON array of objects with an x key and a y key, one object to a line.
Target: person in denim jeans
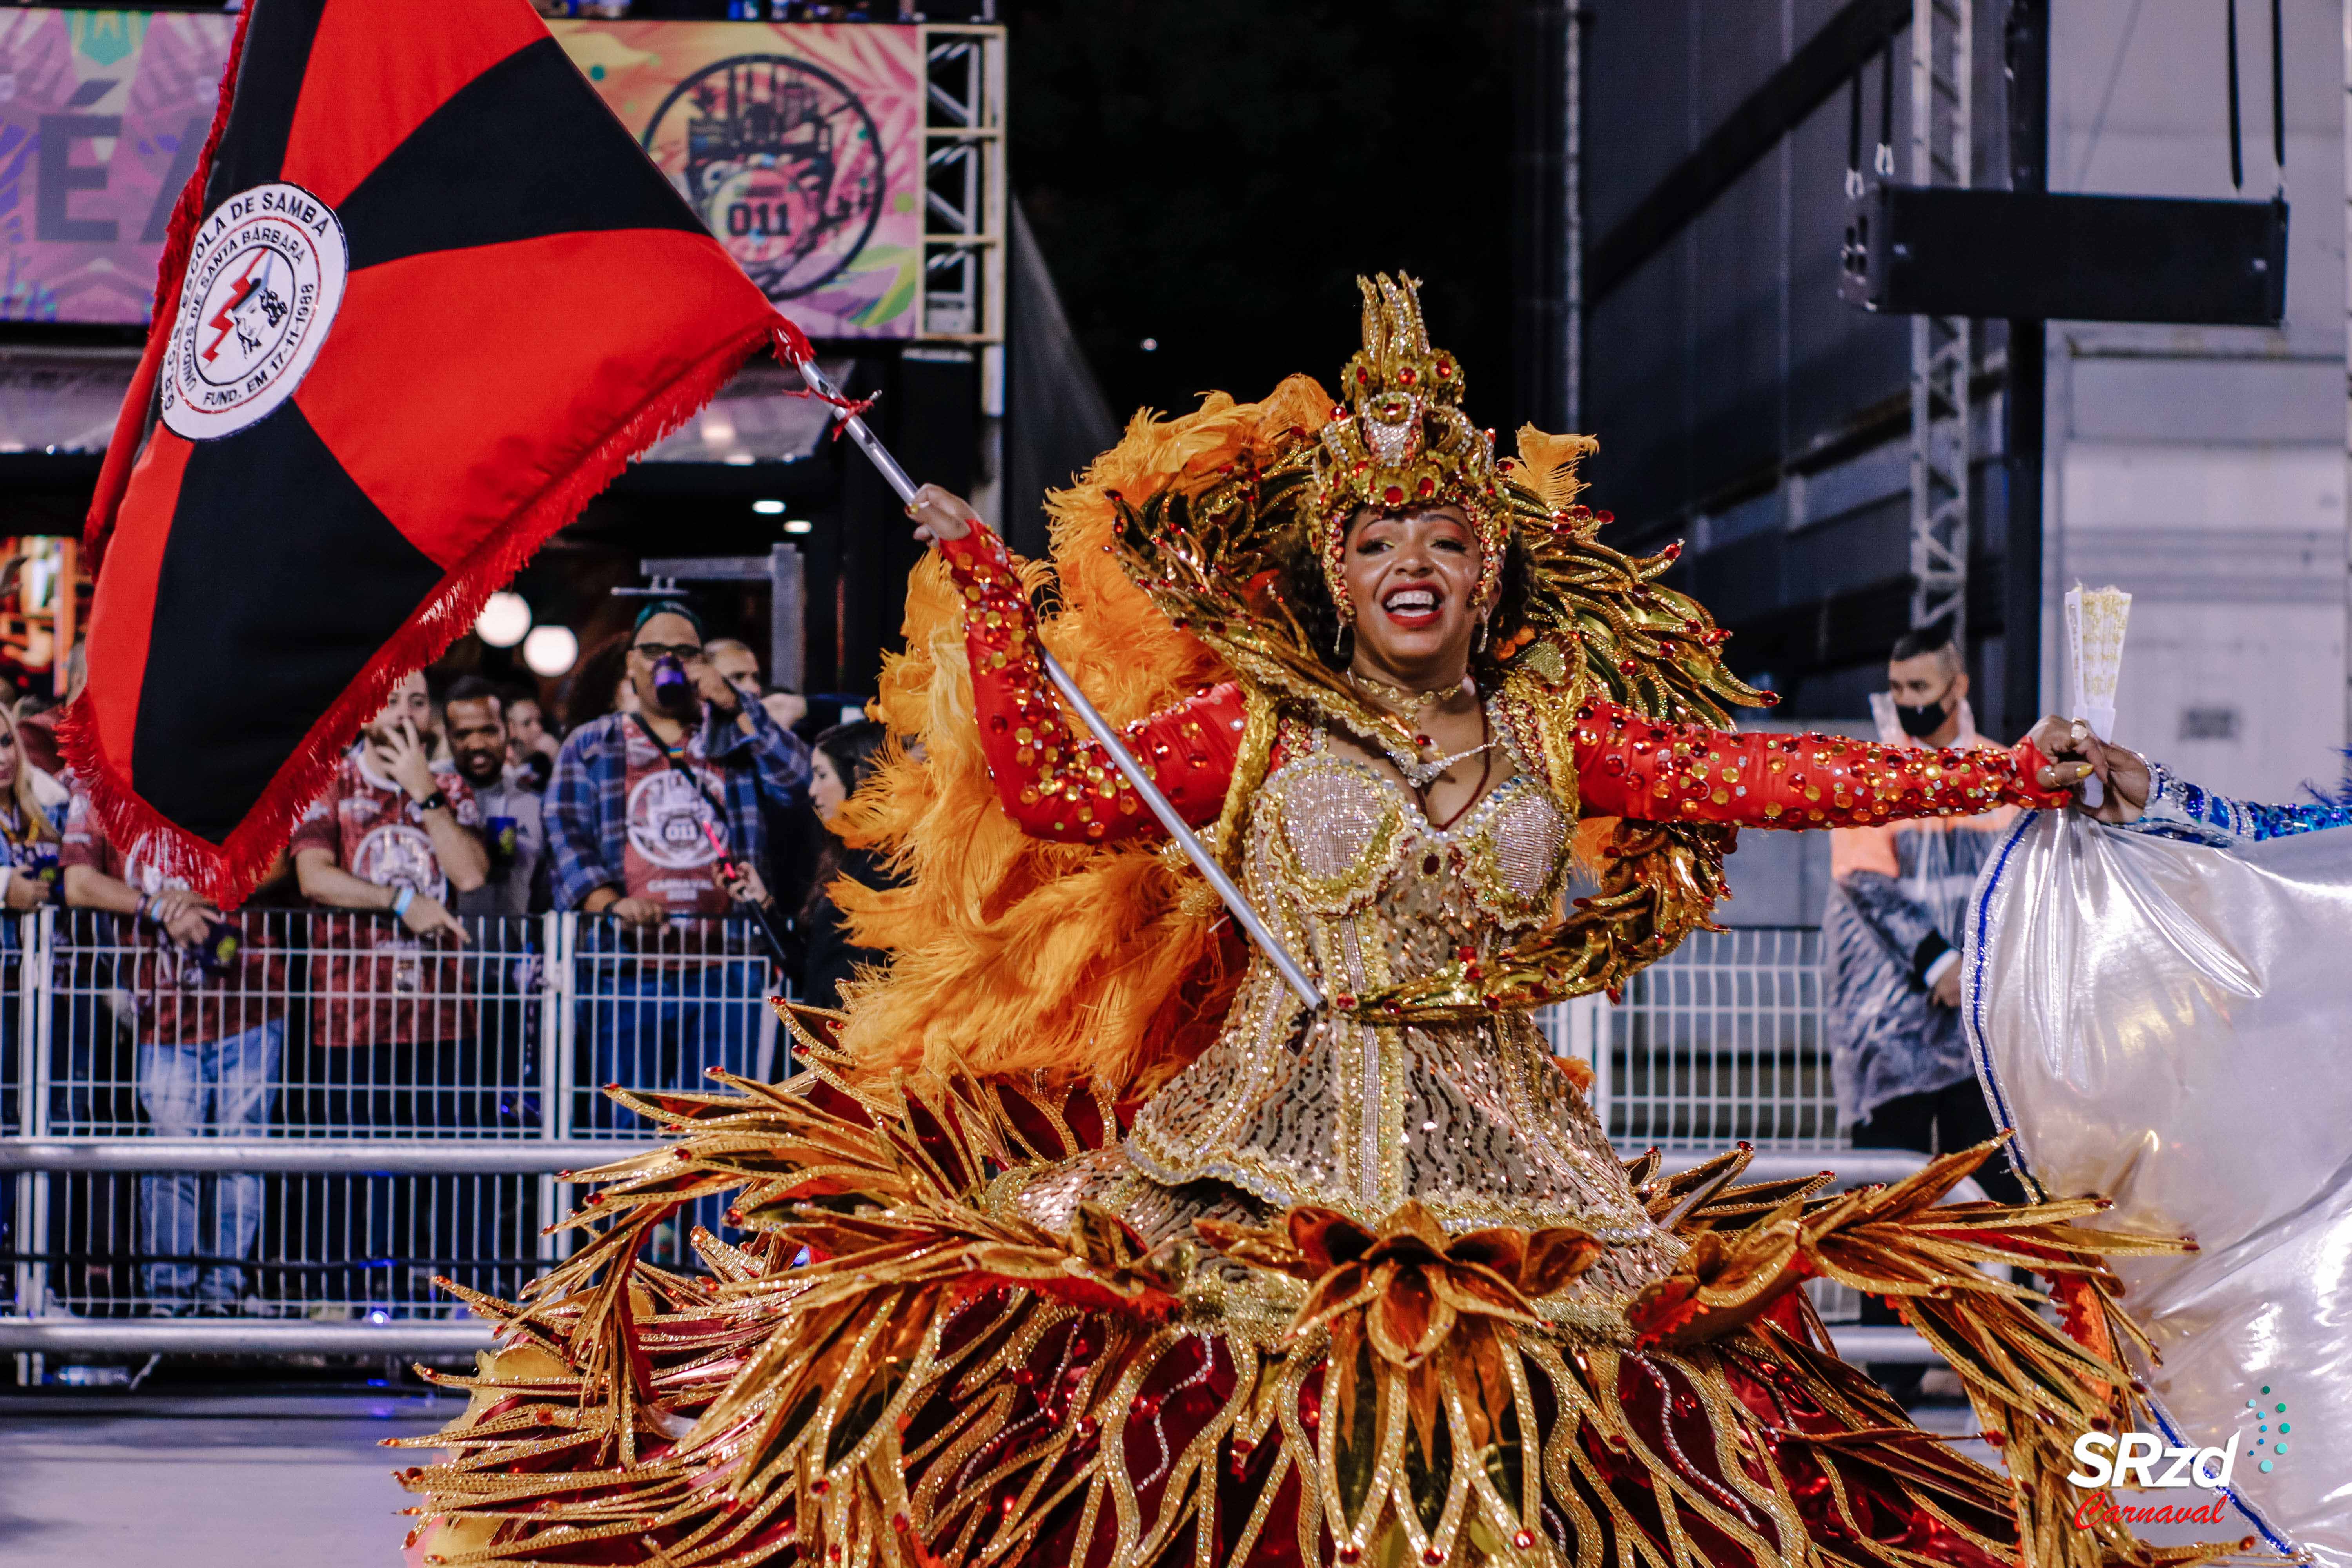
[
  {"x": 212, "y": 1030},
  {"x": 223, "y": 1088}
]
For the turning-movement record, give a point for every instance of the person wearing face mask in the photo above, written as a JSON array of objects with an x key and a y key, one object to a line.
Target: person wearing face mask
[
  {"x": 1891, "y": 941},
  {"x": 657, "y": 820}
]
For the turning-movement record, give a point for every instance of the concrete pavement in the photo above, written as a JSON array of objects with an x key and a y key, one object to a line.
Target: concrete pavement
[{"x": 232, "y": 1480}]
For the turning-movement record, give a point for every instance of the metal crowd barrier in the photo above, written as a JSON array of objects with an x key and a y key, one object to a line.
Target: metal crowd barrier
[
  {"x": 1719, "y": 1043},
  {"x": 295, "y": 1142},
  {"x": 281, "y": 1158}
]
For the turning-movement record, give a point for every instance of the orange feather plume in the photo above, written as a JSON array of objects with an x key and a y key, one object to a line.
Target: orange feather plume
[{"x": 1009, "y": 954}]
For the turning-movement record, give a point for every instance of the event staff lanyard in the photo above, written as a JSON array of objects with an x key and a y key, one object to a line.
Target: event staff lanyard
[{"x": 674, "y": 757}]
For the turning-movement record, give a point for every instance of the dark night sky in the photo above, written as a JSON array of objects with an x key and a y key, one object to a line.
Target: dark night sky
[{"x": 1213, "y": 173}]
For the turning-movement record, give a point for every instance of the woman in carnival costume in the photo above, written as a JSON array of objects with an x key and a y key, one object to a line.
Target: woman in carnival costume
[{"x": 1085, "y": 1242}]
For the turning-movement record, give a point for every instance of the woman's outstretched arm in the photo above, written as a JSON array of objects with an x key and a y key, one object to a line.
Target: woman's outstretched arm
[
  {"x": 1635, "y": 767},
  {"x": 1053, "y": 778}
]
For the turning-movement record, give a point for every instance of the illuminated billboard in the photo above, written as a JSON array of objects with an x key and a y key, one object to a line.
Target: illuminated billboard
[
  {"x": 800, "y": 145},
  {"x": 103, "y": 114}
]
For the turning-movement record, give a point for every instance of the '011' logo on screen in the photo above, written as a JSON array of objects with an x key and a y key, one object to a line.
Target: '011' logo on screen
[{"x": 264, "y": 277}]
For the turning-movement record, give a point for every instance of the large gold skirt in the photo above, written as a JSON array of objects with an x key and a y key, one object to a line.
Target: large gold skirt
[{"x": 897, "y": 1367}]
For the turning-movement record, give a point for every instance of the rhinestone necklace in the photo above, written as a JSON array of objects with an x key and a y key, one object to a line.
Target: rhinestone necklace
[
  {"x": 1422, "y": 774},
  {"x": 1420, "y": 771},
  {"x": 1402, "y": 697}
]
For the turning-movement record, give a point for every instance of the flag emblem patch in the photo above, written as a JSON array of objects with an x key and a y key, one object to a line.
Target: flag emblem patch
[{"x": 266, "y": 273}]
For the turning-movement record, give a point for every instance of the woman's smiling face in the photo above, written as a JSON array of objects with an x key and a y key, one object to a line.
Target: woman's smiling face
[{"x": 1412, "y": 577}]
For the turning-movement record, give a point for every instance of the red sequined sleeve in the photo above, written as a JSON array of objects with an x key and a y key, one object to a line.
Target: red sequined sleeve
[
  {"x": 1053, "y": 779},
  {"x": 1629, "y": 766}
]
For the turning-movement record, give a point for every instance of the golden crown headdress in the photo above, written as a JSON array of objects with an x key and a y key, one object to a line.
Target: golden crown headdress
[
  {"x": 1400, "y": 440},
  {"x": 1209, "y": 531}
]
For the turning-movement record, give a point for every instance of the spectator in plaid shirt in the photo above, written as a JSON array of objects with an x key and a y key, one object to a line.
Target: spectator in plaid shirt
[{"x": 630, "y": 831}]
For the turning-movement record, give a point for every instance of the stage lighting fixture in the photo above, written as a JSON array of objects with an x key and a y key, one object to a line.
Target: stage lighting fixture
[
  {"x": 505, "y": 620},
  {"x": 551, "y": 651}
]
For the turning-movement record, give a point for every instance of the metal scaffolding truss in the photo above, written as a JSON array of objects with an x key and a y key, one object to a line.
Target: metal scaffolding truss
[
  {"x": 964, "y": 191},
  {"x": 1941, "y": 129}
]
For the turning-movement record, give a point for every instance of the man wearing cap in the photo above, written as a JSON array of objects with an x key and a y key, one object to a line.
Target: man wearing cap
[{"x": 657, "y": 821}]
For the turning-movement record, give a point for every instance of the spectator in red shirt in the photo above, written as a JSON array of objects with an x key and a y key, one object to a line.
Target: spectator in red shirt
[
  {"x": 646, "y": 813},
  {"x": 212, "y": 1032},
  {"x": 394, "y": 834}
]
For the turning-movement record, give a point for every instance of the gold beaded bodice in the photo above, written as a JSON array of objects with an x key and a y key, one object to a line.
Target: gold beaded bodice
[{"x": 1474, "y": 1120}]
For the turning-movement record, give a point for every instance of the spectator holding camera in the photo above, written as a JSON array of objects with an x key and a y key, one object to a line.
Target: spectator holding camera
[
  {"x": 474, "y": 718},
  {"x": 530, "y": 750},
  {"x": 732, "y": 660},
  {"x": 658, "y": 818}
]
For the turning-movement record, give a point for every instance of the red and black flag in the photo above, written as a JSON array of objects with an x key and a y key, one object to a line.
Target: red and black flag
[{"x": 424, "y": 297}]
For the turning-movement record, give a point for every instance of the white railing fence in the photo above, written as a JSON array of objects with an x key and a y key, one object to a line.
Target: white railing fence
[
  {"x": 308, "y": 1134},
  {"x": 344, "y": 1030},
  {"x": 1719, "y": 1043}
]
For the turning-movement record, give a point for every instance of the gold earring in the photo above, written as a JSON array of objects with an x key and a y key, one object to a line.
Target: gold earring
[{"x": 1485, "y": 629}]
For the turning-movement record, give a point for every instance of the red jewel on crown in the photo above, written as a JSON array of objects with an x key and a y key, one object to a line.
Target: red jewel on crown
[
  {"x": 1393, "y": 495},
  {"x": 1428, "y": 486},
  {"x": 1444, "y": 369},
  {"x": 1406, "y": 377}
]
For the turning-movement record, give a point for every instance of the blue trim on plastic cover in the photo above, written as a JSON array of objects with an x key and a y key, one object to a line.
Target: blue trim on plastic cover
[
  {"x": 1973, "y": 1018},
  {"x": 1978, "y": 923}
]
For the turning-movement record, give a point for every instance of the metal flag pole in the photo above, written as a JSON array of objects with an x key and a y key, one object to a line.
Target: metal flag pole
[{"x": 1121, "y": 758}]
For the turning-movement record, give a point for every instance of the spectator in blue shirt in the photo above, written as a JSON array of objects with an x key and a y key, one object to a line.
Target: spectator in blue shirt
[{"x": 645, "y": 810}]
